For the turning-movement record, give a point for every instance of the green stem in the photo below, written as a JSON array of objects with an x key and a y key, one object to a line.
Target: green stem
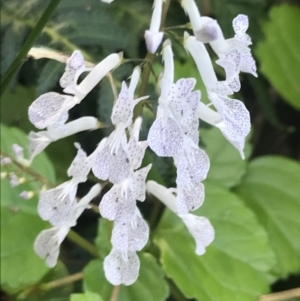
[
  {"x": 18, "y": 61},
  {"x": 62, "y": 281},
  {"x": 80, "y": 241},
  {"x": 36, "y": 288},
  {"x": 148, "y": 67}
]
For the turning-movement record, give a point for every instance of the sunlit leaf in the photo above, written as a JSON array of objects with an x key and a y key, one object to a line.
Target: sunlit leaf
[
  {"x": 20, "y": 223},
  {"x": 235, "y": 267},
  {"x": 226, "y": 164},
  {"x": 271, "y": 189},
  {"x": 278, "y": 53},
  {"x": 87, "y": 296}
]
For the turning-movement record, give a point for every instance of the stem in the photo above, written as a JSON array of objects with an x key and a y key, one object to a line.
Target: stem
[
  {"x": 50, "y": 285},
  {"x": 115, "y": 293},
  {"x": 281, "y": 295},
  {"x": 148, "y": 66},
  {"x": 80, "y": 241},
  {"x": 62, "y": 281},
  {"x": 29, "y": 171},
  {"x": 18, "y": 61}
]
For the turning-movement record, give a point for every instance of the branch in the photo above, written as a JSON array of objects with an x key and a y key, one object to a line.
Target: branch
[{"x": 281, "y": 295}]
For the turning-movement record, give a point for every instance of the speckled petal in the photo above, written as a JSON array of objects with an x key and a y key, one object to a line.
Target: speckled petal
[
  {"x": 165, "y": 137},
  {"x": 122, "y": 110},
  {"x": 201, "y": 230},
  {"x": 48, "y": 109},
  {"x": 189, "y": 199},
  {"x": 139, "y": 185},
  {"x": 80, "y": 166},
  {"x": 120, "y": 271}
]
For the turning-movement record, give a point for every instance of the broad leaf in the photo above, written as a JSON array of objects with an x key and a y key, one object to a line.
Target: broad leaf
[
  {"x": 150, "y": 286},
  {"x": 235, "y": 267},
  {"x": 271, "y": 189},
  {"x": 279, "y": 53},
  {"x": 20, "y": 223},
  {"x": 226, "y": 164},
  {"x": 87, "y": 296}
]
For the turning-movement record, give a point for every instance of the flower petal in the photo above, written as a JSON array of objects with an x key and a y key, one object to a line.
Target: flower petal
[
  {"x": 80, "y": 166},
  {"x": 139, "y": 185},
  {"x": 47, "y": 244},
  {"x": 48, "y": 108},
  {"x": 131, "y": 235},
  {"x": 58, "y": 207},
  {"x": 136, "y": 152},
  {"x": 116, "y": 204},
  {"x": 165, "y": 137},
  {"x": 123, "y": 108},
  {"x": 120, "y": 271},
  {"x": 189, "y": 199},
  {"x": 201, "y": 229}
]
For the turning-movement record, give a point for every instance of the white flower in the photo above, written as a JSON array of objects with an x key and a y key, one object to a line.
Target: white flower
[
  {"x": 113, "y": 162},
  {"x": 165, "y": 136},
  {"x": 38, "y": 141},
  {"x": 51, "y": 109},
  {"x": 226, "y": 49},
  {"x": 119, "y": 270},
  {"x": 199, "y": 227},
  {"x": 57, "y": 205},
  {"x": 235, "y": 124},
  {"x": 153, "y": 36},
  {"x": 131, "y": 235},
  {"x": 239, "y": 44},
  {"x": 120, "y": 201},
  {"x": 75, "y": 66},
  {"x": 48, "y": 242}
]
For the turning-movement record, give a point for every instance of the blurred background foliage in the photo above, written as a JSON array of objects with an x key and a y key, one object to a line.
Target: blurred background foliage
[{"x": 254, "y": 205}]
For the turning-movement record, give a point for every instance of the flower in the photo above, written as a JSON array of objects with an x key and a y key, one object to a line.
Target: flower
[
  {"x": 235, "y": 124},
  {"x": 153, "y": 36},
  {"x": 38, "y": 141},
  {"x": 165, "y": 136},
  {"x": 51, "y": 109},
  {"x": 199, "y": 227},
  {"x": 56, "y": 205},
  {"x": 48, "y": 242},
  {"x": 113, "y": 162},
  {"x": 119, "y": 270}
]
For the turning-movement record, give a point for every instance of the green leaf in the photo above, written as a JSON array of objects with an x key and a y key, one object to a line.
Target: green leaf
[
  {"x": 87, "y": 296},
  {"x": 103, "y": 237},
  {"x": 226, "y": 165},
  {"x": 49, "y": 76},
  {"x": 14, "y": 107},
  {"x": 235, "y": 266},
  {"x": 271, "y": 189},
  {"x": 278, "y": 54},
  {"x": 150, "y": 286},
  {"x": 20, "y": 266},
  {"x": 41, "y": 163},
  {"x": 20, "y": 223}
]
